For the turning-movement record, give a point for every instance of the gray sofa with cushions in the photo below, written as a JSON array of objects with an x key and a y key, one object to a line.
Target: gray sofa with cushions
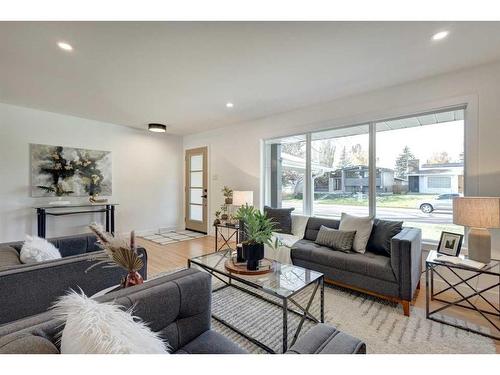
[
  {"x": 29, "y": 289},
  {"x": 178, "y": 307},
  {"x": 395, "y": 277}
]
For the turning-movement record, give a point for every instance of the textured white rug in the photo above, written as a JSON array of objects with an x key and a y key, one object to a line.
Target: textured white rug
[
  {"x": 166, "y": 238},
  {"x": 380, "y": 324}
]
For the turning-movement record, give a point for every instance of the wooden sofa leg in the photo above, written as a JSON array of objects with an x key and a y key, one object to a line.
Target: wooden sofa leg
[
  {"x": 406, "y": 307},
  {"x": 418, "y": 285}
]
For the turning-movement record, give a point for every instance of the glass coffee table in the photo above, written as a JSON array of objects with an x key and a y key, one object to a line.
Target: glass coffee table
[{"x": 278, "y": 287}]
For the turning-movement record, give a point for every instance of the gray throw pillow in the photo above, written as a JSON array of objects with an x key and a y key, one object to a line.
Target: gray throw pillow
[
  {"x": 340, "y": 240},
  {"x": 381, "y": 236},
  {"x": 282, "y": 217}
]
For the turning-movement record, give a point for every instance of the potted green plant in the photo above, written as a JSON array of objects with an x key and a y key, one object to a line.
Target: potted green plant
[
  {"x": 217, "y": 218},
  {"x": 224, "y": 215},
  {"x": 228, "y": 195},
  {"x": 258, "y": 231}
]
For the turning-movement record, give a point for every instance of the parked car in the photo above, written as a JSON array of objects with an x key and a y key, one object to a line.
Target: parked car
[{"x": 443, "y": 202}]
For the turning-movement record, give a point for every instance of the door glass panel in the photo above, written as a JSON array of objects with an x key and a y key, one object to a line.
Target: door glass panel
[
  {"x": 195, "y": 212},
  {"x": 195, "y": 196},
  {"x": 197, "y": 162},
  {"x": 196, "y": 179}
]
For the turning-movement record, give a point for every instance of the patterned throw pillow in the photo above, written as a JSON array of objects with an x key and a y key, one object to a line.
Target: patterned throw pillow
[{"x": 340, "y": 240}]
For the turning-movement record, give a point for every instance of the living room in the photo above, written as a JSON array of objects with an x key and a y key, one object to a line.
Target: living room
[{"x": 250, "y": 187}]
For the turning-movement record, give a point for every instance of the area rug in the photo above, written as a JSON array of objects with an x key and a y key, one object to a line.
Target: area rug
[
  {"x": 166, "y": 238},
  {"x": 380, "y": 324}
]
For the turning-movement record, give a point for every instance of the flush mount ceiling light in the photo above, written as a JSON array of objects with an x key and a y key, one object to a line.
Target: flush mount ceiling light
[
  {"x": 157, "y": 128},
  {"x": 229, "y": 105},
  {"x": 440, "y": 35},
  {"x": 65, "y": 46}
]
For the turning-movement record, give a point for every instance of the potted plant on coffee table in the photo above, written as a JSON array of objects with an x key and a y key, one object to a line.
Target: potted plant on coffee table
[{"x": 257, "y": 232}]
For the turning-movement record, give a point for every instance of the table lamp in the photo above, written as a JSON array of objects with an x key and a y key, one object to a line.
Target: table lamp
[
  {"x": 479, "y": 214},
  {"x": 240, "y": 198}
]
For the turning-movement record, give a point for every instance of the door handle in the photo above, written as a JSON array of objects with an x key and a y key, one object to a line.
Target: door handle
[{"x": 204, "y": 196}]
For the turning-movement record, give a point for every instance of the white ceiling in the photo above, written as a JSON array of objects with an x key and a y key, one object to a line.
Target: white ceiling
[{"x": 183, "y": 73}]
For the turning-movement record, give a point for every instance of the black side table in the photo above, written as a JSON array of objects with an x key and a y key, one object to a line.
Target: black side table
[
  {"x": 234, "y": 234},
  {"x": 74, "y": 209},
  {"x": 467, "y": 291}
]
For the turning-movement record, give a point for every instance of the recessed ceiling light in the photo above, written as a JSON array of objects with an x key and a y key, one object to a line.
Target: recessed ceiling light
[
  {"x": 157, "y": 128},
  {"x": 440, "y": 35},
  {"x": 65, "y": 46},
  {"x": 229, "y": 105}
]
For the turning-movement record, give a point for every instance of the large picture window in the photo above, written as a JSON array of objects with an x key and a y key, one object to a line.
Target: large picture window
[
  {"x": 340, "y": 171},
  {"x": 411, "y": 173},
  {"x": 423, "y": 158},
  {"x": 286, "y": 172}
]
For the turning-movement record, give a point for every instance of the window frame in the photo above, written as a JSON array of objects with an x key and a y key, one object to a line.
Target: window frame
[{"x": 308, "y": 194}]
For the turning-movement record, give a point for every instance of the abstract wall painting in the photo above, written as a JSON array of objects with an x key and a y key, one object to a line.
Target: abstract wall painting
[{"x": 67, "y": 171}]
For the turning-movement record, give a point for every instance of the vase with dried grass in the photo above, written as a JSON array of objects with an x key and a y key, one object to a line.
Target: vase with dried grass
[{"x": 119, "y": 252}]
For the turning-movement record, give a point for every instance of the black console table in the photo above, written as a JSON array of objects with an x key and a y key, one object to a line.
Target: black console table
[{"x": 74, "y": 209}]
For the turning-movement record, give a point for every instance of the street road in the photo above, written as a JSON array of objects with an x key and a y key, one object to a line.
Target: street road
[{"x": 404, "y": 214}]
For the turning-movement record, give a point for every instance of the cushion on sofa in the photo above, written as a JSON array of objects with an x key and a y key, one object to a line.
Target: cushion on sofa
[
  {"x": 362, "y": 226},
  {"x": 382, "y": 233},
  {"x": 9, "y": 257},
  {"x": 299, "y": 224},
  {"x": 282, "y": 217},
  {"x": 103, "y": 328},
  {"x": 325, "y": 339},
  {"x": 36, "y": 249},
  {"x": 335, "y": 239},
  {"x": 211, "y": 342},
  {"x": 25, "y": 343},
  {"x": 377, "y": 266},
  {"x": 313, "y": 225}
]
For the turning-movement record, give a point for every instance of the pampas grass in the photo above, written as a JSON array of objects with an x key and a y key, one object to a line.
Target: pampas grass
[{"x": 117, "y": 251}]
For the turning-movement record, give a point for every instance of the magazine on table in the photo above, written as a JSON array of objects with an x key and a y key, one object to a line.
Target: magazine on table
[{"x": 460, "y": 261}]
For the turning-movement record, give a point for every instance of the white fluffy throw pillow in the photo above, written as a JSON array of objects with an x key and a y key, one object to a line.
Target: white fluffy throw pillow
[
  {"x": 363, "y": 227},
  {"x": 103, "y": 328},
  {"x": 36, "y": 249}
]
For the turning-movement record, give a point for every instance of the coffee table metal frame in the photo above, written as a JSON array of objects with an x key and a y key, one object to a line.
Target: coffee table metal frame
[{"x": 286, "y": 301}]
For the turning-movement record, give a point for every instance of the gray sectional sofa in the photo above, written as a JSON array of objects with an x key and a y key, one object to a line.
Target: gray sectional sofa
[
  {"x": 395, "y": 277},
  {"x": 29, "y": 289},
  {"x": 178, "y": 307}
]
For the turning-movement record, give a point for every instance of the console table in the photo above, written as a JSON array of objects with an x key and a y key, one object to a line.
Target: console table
[{"x": 74, "y": 209}]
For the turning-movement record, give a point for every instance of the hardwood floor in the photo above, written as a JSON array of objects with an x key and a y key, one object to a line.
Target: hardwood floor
[{"x": 163, "y": 258}]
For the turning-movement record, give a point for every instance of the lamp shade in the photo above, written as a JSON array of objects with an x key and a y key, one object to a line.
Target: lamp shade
[
  {"x": 477, "y": 212},
  {"x": 240, "y": 198}
]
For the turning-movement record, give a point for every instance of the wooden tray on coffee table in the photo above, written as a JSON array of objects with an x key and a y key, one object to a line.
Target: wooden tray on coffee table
[{"x": 265, "y": 266}]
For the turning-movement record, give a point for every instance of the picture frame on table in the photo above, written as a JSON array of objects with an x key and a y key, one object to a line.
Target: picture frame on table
[{"x": 450, "y": 244}]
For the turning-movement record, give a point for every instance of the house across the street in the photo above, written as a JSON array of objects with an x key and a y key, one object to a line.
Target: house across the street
[{"x": 436, "y": 178}]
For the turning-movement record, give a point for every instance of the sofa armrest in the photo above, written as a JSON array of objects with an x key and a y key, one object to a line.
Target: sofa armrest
[
  {"x": 406, "y": 254},
  {"x": 325, "y": 339},
  {"x": 31, "y": 289}
]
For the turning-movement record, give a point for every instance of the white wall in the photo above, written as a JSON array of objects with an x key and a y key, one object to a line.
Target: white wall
[
  {"x": 235, "y": 152},
  {"x": 147, "y": 171}
]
